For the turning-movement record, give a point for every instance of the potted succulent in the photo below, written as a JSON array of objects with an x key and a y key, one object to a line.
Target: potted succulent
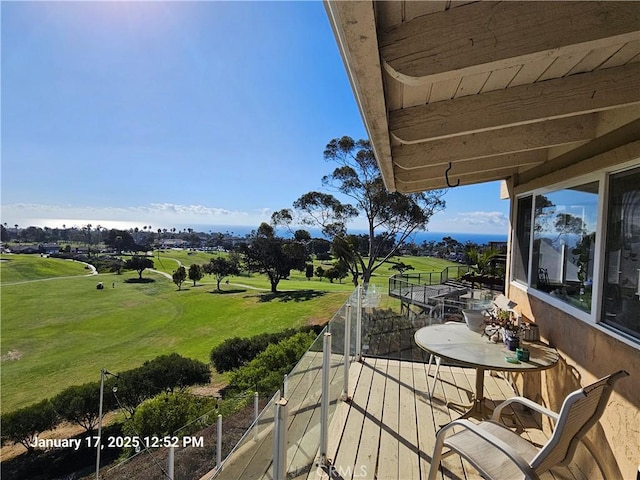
[{"x": 508, "y": 329}]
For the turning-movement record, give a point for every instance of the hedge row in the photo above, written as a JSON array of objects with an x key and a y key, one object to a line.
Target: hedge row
[
  {"x": 238, "y": 351},
  {"x": 80, "y": 404},
  {"x": 266, "y": 371}
]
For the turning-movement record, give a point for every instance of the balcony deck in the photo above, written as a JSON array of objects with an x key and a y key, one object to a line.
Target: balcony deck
[{"x": 388, "y": 429}]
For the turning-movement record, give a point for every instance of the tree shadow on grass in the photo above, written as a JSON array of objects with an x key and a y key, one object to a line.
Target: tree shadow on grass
[
  {"x": 226, "y": 292},
  {"x": 139, "y": 280},
  {"x": 291, "y": 296}
]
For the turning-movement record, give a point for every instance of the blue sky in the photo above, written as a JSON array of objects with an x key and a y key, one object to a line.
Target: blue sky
[{"x": 174, "y": 114}]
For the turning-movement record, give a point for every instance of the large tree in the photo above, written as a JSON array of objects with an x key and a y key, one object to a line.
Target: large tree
[
  {"x": 179, "y": 276},
  {"x": 79, "y": 404},
  {"x": 195, "y": 273},
  {"x": 390, "y": 217},
  {"x": 139, "y": 264},
  {"x": 120, "y": 240},
  {"x": 274, "y": 256},
  {"x": 221, "y": 267},
  {"x": 24, "y": 425}
]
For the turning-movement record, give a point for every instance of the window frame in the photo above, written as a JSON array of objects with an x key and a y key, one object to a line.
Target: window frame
[{"x": 592, "y": 318}]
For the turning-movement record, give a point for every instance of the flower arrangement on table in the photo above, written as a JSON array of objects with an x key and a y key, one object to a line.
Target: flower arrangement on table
[{"x": 504, "y": 326}]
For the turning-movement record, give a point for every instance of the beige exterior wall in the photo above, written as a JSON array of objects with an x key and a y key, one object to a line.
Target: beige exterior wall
[{"x": 611, "y": 450}]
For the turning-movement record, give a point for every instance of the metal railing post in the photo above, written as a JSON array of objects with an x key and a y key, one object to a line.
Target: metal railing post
[
  {"x": 219, "y": 443},
  {"x": 344, "y": 396},
  {"x": 255, "y": 416},
  {"x": 359, "y": 326},
  {"x": 285, "y": 383},
  {"x": 170, "y": 463},
  {"x": 324, "y": 405},
  {"x": 99, "y": 446},
  {"x": 280, "y": 441}
]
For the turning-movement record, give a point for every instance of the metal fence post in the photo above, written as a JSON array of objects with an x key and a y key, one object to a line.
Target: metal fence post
[
  {"x": 359, "y": 326},
  {"x": 285, "y": 384},
  {"x": 344, "y": 396},
  {"x": 255, "y": 416},
  {"x": 170, "y": 463},
  {"x": 324, "y": 405},
  {"x": 219, "y": 443},
  {"x": 280, "y": 441}
]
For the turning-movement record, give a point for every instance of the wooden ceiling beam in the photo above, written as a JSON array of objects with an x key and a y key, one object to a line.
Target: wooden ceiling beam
[
  {"x": 440, "y": 182},
  {"x": 562, "y": 97},
  {"x": 520, "y": 138},
  {"x": 624, "y": 135},
  {"x": 484, "y": 36},
  {"x": 466, "y": 168},
  {"x": 353, "y": 25}
]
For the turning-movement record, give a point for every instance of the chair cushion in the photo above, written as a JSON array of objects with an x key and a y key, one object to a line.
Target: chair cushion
[{"x": 485, "y": 457}]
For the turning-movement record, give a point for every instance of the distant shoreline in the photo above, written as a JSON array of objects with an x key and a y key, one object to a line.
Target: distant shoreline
[
  {"x": 242, "y": 230},
  {"x": 417, "y": 237}
]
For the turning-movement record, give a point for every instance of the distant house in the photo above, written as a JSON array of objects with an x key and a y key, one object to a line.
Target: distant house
[
  {"x": 49, "y": 248},
  {"x": 23, "y": 249},
  {"x": 173, "y": 243}
]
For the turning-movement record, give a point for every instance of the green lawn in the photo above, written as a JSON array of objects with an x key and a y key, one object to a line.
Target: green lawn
[
  {"x": 169, "y": 260},
  {"x": 61, "y": 332},
  {"x": 20, "y": 268}
]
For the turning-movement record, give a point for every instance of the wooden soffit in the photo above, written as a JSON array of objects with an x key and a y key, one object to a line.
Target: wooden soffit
[{"x": 490, "y": 89}]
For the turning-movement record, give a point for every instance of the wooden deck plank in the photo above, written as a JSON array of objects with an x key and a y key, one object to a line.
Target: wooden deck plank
[
  {"x": 361, "y": 385},
  {"x": 424, "y": 418},
  {"x": 388, "y": 456},
  {"x": 387, "y": 466},
  {"x": 346, "y": 452},
  {"x": 367, "y": 455},
  {"x": 408, "y": 457},
  {"x": 453, "y": 388},
  {"x": 388, "y": 429}
]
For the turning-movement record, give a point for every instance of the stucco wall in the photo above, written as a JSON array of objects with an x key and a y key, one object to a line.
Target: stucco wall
[{"x": 611, "y": 450}]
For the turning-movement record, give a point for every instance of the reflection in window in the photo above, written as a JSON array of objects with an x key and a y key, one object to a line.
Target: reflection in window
[
  {"x": 621, "y": 294},
  {"x": 564, "y": 234},
  {"x": 522, "y": 240}
]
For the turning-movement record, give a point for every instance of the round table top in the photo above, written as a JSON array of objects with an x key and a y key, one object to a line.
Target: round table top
[{"x": 455, "y": 342}]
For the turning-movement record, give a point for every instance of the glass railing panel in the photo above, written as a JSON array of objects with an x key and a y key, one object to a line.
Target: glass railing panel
[
  {"x": 304, "y": 403},
  {"x": 303, "y": 390},
  {"x": 254, "y": 452}
]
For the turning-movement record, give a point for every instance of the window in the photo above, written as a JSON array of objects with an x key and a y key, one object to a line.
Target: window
[
  {"x": 554, "y": 249},
  {"x": 621, "y": 290},
  {"x": 564, "y": 235}
]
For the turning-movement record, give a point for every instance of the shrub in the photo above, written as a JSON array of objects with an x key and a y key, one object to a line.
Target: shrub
[
  {"x": 266, "y": 371},
  {"x": 167, "y": 413},
  {"x": 80, "y": 404},
  {"x": 170, "y": 372},
  {"x": 237, "y": 351},
  {"x": 165, "y": 373},
  {"x": 24, "y": 425}
]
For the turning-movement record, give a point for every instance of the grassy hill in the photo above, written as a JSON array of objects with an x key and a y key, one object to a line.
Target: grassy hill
[{"x": 62, "y": 331}]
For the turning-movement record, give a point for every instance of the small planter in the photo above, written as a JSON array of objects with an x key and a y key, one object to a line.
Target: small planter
[
  {"x": 513, "y": 344},
  {"x": 511, "y": 339}
]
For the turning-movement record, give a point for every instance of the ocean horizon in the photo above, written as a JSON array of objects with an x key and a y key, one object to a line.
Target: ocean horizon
[{"x": 417, "y": 237}]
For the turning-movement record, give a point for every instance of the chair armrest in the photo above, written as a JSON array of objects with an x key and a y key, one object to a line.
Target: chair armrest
[
  {"x": 505, "y": 448},
  {"x": 527, "y": 403}
]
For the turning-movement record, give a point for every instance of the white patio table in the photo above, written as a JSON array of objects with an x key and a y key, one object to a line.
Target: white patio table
[{"x": 456, "y": 343}]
